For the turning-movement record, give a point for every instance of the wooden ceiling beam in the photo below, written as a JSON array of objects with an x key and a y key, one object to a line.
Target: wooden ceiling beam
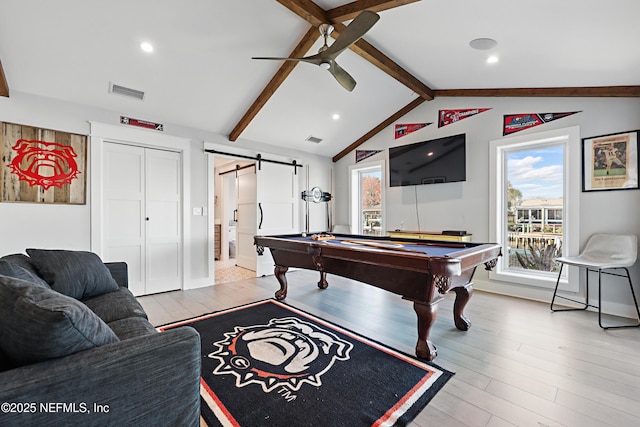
[
  {"x": 4, "y": 86},
  {"x": 283, "y": 72},
  {"x": 307, "y": 10},
  {"x": 349, "y": 11},
  {"x": 400, "y": 113},
  {"x": 584, "y": 91}
]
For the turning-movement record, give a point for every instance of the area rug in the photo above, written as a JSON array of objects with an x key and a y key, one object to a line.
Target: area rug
[{"x": 268, "y": 363}]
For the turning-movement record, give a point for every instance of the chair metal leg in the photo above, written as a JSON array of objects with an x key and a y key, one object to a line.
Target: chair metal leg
[
  {"x": 555, "y": 295},
  {"x": 633, "y": 294}
]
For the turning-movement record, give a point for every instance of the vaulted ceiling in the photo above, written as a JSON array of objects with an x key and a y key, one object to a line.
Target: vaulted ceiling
[{"x": 201, "y": 74}]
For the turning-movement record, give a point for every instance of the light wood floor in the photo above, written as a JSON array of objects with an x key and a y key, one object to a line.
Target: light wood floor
[{"x": 519, "y": 364}]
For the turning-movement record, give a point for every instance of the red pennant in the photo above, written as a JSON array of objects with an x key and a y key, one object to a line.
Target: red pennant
[
  {"x": 446, "y": 117},
  {"x": 363, "y": 154},
  {"x": 407, "y": 128},
  {"x": 513, "y": 123}
]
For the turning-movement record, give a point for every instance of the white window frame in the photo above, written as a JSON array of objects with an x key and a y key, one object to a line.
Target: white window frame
[
  {"x": 570, "y": 139},
  {"x": 355, "y": 196}
]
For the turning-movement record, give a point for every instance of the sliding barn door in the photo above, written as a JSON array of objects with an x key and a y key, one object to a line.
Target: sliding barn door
[
  {"x": 277, "y": 207},
  {"x": 266, "y": 204}
]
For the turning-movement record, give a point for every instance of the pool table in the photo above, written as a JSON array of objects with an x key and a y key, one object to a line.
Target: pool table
[{"x": 421, "y": 271}]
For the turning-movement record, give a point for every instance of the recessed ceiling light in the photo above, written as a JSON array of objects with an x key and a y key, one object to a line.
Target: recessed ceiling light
[
  {"x": 492, "y": 59},
  {"x": 336, "y": 116},
  {"x": 483, "y": 43},
  {"x": 146, "y": 46}
]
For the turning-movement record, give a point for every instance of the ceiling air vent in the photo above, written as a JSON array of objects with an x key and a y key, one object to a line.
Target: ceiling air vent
[
  {"x": 126, "y": 91},
  {"x": 313, "y": 139}
]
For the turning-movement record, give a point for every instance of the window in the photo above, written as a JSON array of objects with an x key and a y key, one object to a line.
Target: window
[
  {"x": 367, "y": 198},
  {"x": 534, "y": 194}
]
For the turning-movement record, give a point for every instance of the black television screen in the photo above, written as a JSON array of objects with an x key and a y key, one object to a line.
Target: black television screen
[{"x": 428, "y": 162}]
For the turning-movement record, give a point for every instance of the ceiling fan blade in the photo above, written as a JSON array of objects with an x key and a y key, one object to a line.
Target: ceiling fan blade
[
  {"x": 310, "y": 59},
  {"x": 342, "y": 76},
  {"x": 356, "y": 29}
]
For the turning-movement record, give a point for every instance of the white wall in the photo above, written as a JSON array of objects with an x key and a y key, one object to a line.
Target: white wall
[
  {"x": 25, "y": 225},
  {"x": 451, "y": 206},
  {"x": 465, "y": 205}
]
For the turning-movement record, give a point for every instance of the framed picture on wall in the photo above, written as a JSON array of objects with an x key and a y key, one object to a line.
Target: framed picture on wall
[
  {"x": 42, "y": 165},
  {"x": 610, "y": 162}
]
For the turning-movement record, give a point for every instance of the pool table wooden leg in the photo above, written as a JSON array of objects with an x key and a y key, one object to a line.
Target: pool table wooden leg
[
  {"x": 279, "y": 272},
  {"x": 463, "y": 294},
  {"x": 322, "y": 284},
  {"x": 426, "y": 317}
]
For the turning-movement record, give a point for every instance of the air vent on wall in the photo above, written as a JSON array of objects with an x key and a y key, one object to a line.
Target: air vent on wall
[
  {"x": 126, "y": 91},
  {"x": 313, "y": 139}
]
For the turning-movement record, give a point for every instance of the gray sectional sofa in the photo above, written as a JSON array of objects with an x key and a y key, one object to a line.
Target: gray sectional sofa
[{"x": 76, "y": 348}]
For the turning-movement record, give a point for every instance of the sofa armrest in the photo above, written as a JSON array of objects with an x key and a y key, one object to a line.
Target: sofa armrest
[
  {"x": 148, "y": 380},
  {"x": 119, "y": 272}
]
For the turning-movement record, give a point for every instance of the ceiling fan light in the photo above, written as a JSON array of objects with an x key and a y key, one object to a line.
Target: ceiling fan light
[
  {"x": 325, "y": 29},
  {"x": 325, "y": 65}
]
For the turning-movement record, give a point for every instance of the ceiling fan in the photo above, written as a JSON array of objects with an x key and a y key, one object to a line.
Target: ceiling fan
[{"x": 325, "y": 58}]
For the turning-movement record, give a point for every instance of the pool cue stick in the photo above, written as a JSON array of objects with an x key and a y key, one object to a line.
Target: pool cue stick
[
  {"x": 441, "y": 244},
  {"x": 380, "y": 246}
]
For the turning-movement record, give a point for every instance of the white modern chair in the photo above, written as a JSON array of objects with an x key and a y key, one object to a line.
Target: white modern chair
[{"x": 602, "y": 252}]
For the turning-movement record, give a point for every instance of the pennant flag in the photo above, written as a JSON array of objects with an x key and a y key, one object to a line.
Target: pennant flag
[
  {"x": 446, "y": 117},
  {"x": 407, "y": 128},
  {"x": 363, "y": 154},
  {"x": 513, "y": 123}
]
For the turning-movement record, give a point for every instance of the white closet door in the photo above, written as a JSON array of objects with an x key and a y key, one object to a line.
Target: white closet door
[
  {"x": 163, "y": 219},
  {"x": 124, "y": 210},
  {"x": 142, "y": 215}
]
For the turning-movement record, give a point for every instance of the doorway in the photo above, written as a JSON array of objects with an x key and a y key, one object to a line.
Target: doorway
[
  {"x": 226, "y": 190},
  {"x": 266, "y": 203}
]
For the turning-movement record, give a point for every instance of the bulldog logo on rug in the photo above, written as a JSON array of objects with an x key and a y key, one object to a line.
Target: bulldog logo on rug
[
  {"x": 286, "y": 352},
  {"x": 47, "y": 164}
]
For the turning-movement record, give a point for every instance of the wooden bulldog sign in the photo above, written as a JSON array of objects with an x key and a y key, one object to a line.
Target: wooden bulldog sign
[{"x": 42, "y": 166}]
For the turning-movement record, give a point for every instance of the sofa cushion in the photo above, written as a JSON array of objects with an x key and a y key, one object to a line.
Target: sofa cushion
[
  {"x": 132, "y": 327},
  {"x": 115, "y": 305},
  {"x": 37, "y": 323},
  {"x": 22, "y": 260},
  {"x": 16, "y": 271},
  {"x": 77, "y": 274}
]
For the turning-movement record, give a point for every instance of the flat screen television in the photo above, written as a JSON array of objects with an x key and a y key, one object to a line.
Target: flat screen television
[{"x": 428, "y": 162}]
